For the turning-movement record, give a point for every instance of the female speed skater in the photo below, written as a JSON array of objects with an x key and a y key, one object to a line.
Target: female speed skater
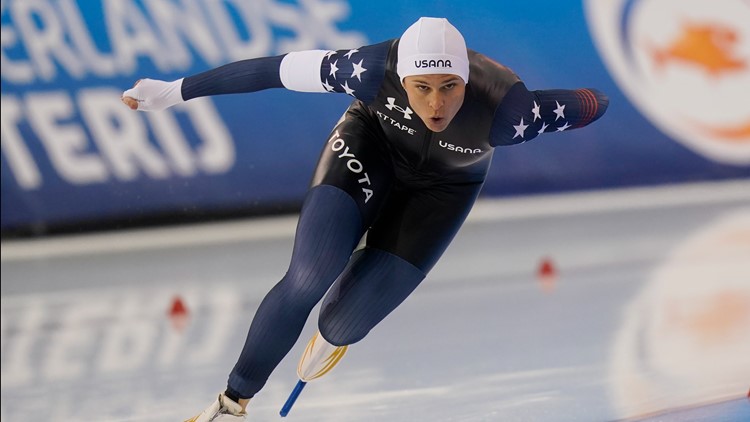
[{"x": 403, "y": 165}]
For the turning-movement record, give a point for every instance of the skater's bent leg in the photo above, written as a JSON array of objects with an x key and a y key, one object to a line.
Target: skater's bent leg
[
  {"x": 373, "y": 284},
  {"x": 412, "y": 231},
  {"x": 329, "y": 229},
  {"x": 342, "y": 204}
]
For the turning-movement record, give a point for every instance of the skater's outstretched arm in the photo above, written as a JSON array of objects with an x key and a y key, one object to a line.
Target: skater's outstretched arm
[
  {"x": 524, "y": 114},
  {"x": 357, "y": 72}
]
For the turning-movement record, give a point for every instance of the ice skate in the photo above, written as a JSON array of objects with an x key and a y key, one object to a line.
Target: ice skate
[
  {"x": 317, "y": 360},
  {"x": 223, "y": 409}
]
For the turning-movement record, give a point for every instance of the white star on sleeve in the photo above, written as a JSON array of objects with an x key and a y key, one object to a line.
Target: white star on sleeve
[
  {"x": 535, "y": 110},
  {"x": 334, "y": 69},
  {"x": 563, "y": 127},
  {"x": 520, "y": 129},
  {"x": 358, "y": 69},
  {"x": 328, "y": 88},
  {"x": 330, "y": 53},
  {"x": 349, "y": 54},
  {"x": 560, "y": 111},
  {"x": 544, "y": 126},
  {"x": 347, "y": 89}
]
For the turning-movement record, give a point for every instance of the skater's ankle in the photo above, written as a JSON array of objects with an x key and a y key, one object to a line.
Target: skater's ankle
[{"x": 235, "y": 397}]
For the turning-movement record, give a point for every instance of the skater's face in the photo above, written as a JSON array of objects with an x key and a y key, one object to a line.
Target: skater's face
[{"x": 435, "y": 98}]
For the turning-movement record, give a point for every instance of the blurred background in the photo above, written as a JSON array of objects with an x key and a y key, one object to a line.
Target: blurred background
[
  {"x": 73, "y": 156},
  {"x": 652, "y": 202}
]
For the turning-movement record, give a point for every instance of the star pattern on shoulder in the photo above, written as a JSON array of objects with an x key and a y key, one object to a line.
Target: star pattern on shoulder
[
  {"x": 520, "y": 129},
  {"x": 334, "y": 69},
  {"x": 348, "y": 90},
  {"x": 544, "y": 127},
  {"x": 536, "y": 110},
  {"x": 559, "y": 111},
  {"x": 350, "y": 71},
  {"x": 358, "y": 69}
]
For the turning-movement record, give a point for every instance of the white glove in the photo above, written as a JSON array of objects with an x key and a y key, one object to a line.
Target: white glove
[{"x": 153, "y": 95}]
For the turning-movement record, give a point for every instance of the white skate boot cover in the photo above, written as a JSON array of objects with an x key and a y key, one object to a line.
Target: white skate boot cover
[
  {"x": 319, "y": 358},
  {"x": 222, "y": 409}
]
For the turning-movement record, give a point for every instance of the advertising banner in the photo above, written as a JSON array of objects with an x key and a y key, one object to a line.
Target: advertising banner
[{"x": 72, "y": 153}]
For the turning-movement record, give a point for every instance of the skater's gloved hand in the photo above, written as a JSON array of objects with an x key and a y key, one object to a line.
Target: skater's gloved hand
[{"x": 153, "y": 95}]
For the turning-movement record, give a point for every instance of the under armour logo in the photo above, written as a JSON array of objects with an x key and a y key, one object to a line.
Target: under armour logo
[{"x": 392, "y": 104}]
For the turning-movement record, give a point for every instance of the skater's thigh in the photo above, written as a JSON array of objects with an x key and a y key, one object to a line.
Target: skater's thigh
[
  {"x": 354, "y": 159},
  {"x": 419, "y": 224}
]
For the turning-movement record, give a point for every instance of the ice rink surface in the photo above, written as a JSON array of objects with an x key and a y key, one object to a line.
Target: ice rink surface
[{"x": 645, "y": 308}]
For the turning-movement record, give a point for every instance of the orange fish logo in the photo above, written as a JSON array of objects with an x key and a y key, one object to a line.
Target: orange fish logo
[
  {"x": 706, "y": 46},
  {"x": 685, "y": 65}
]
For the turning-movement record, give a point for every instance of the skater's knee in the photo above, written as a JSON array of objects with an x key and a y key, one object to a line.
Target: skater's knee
[{"x": 340, "y": 334}]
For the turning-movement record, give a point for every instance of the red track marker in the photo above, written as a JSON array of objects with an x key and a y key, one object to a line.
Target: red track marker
[
  {"x": 178, "y": 314},
  {"x": 547, "y": 274}
]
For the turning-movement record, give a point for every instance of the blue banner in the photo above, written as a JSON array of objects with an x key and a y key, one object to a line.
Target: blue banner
[{"x": 72, "y": 152}]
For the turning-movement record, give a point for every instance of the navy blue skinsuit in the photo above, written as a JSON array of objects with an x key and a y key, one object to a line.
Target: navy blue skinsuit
[{"x": 383, "y": 173}]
